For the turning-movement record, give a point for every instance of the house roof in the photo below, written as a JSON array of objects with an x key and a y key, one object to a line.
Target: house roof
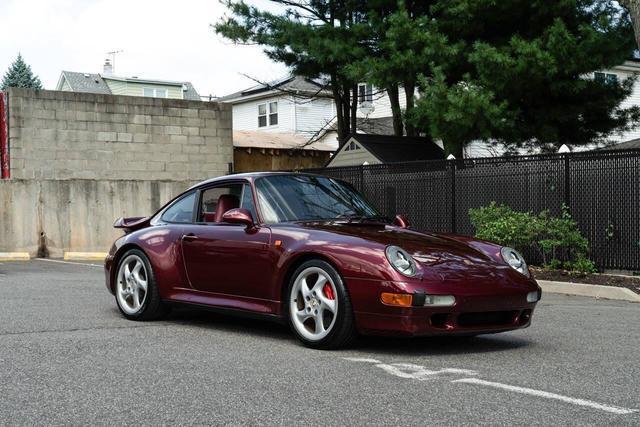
[
  {"x": 627, "y": 145},
  {"x": 289, "y": 84},
  {"x": 86, "y": 82},
  {"x": 276, "y": 141},
  {"x": 392, "y": 149},
  {"x": 95, "y": 83},
  {"x": 375, "y": 126}
]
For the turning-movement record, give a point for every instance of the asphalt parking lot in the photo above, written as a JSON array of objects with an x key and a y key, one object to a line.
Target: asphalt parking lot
[{"x": 68, "y": 357}]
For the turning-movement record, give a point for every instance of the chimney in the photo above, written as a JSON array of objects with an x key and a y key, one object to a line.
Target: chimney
[{"x": 108, "y": 68}]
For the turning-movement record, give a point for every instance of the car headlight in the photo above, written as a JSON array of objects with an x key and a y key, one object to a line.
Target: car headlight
[
  {"x": 401, "y": 261},
  {"x": 515, "y": 260}
]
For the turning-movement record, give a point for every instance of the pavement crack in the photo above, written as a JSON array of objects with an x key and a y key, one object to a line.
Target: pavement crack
[{"x": 48, "y": 331}]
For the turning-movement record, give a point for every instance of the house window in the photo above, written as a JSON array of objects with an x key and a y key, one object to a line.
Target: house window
[
  {"x": 365, "y": 93},
  {"x": 606, "y": 78},
  {"x": 273, "y": 113},
  {"x": 154, "y": 93},
  {"x": 352, "y": 146},
  {"x": 271, "y": 118}
]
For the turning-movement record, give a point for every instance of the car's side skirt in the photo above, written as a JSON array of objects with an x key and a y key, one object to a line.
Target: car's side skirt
[
  {"x": 232, "y": 312},
  {"x": 234, "y": 302}
]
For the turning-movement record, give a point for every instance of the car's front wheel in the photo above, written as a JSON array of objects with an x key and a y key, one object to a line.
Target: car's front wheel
[
  {"x": 136, "y": 293},
  {"x": 320, "y": 310}
]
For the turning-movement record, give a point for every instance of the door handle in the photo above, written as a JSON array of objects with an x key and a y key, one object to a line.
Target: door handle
[{"x": 190, "y": 237}]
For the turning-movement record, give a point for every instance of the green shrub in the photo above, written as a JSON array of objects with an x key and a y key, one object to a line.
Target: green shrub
[{"x": 556, "y": 239}]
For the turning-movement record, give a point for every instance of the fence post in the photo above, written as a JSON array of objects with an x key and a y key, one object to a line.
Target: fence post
[
  {"x": 567, "y": 180},
  {"x": 361, "y": 179},
  {"x": 453, "y": 196}
]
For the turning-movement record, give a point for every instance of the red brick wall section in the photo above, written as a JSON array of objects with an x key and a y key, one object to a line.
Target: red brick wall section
[{"x": 4, "y": 140}]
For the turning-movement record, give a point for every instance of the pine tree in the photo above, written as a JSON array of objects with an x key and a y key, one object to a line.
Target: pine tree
[
  {"x": 521, "y": 73},
  {"x": 19, "y": 74}
]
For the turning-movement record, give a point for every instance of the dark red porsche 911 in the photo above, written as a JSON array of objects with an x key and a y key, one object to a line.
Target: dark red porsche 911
[{"x": 311, "y": 251}]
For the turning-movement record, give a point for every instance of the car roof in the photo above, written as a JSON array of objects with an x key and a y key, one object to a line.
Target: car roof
[{"x": 248, "y": 176}]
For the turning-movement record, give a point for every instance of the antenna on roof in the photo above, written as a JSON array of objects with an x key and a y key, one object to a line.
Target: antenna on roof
[{"x": 113, "y": 59}]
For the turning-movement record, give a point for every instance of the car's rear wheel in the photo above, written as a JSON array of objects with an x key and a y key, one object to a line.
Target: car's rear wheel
[
  {"x": 320, "y": 310},
  {"x": 136, "y": 291}
]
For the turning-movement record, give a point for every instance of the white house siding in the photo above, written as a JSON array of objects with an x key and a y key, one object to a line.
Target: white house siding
[
  {"x": 313, "y": 115},
  {"x": 245, "y": 115},
  {"x": 623, "y": 72},
  {"x": 353, "y": 157},
  {"x": 382, "y": 104}
]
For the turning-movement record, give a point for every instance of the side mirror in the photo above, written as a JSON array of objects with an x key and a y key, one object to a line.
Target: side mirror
[
  {"x": 238, "y": 216},
  {"x": 401, "y": 221}
]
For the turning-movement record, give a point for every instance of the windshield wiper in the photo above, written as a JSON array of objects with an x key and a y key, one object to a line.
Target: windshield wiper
[{"x": 362, "y": 218}]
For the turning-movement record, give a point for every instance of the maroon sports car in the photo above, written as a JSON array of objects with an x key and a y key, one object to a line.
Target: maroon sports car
[{"x": 311, "y": 251}]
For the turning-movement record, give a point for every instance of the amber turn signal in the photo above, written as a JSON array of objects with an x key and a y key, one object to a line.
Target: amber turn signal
[{"x": 401, "y": 300}]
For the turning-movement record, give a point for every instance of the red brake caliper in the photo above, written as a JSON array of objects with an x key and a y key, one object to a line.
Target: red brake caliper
[{"x": 328, "y": 291}]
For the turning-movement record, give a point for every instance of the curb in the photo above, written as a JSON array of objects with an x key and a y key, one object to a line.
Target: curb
[
  {"x": 594, "y": 291},
  {"x": 14, "y": 256},
  {"x": 85, "y": 256}
]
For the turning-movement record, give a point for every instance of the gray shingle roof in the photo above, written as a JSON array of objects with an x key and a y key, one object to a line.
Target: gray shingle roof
[
  {"x": 86, "y": 82},
  {"x": 191, "y": 93},
  {"x": 391, "y": 149},
  {"x": 634, "y": 143},
  {"x": 289, "y": 84},
  {"x": 377, "y": 126},
  {"x": 94, "y": 83}
]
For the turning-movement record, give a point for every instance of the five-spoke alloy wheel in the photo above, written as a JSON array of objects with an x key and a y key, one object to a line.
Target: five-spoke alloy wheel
[
  {"x": 136, "y": 292},
  {"x": 319, "y": 307}
]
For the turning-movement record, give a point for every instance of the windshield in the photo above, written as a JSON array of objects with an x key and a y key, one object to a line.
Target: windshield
[{"x": 303, "y": 198}]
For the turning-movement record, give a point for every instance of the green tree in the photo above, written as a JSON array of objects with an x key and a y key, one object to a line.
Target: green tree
[
  {"x": 633, "y": 6},
  {"x": 315, "y": 38},
  {"x": 399, "y": 41},
  {"x": 520, "y": 72},
  {"x": 19, "y": 74}
]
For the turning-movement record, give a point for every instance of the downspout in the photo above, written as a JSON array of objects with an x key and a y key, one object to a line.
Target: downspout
[{"x": 5, "y": 172}]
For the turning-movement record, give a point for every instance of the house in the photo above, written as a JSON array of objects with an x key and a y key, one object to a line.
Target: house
[
  {"x": 109, "y": 84},
  {"x": 364, "y": 149},
  {"x": 278, "y": 124},
  {"x": 252, "y": 151}
]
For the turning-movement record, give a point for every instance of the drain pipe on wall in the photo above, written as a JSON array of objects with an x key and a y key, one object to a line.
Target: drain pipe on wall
[{"x": 5, "y": 172}]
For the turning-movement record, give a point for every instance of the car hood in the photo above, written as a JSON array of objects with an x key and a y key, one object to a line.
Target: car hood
[{"x": 427, "y": 248}]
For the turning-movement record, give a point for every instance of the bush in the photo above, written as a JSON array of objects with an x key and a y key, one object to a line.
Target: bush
[{"x": 556, "y": 239}]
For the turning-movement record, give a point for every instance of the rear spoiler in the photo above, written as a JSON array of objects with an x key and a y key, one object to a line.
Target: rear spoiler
[{"x": 132, "y": 223}]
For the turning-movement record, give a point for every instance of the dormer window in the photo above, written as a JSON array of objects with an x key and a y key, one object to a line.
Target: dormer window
[
  {"x": 267, "y": 114},
  {"x": 154, "y": 92},
  {"x": 365, "y": 93}
]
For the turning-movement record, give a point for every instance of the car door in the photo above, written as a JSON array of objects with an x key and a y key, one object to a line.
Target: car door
[{"x": 224, "y": 258}]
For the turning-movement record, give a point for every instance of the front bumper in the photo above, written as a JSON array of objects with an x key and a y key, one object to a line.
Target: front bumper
[{"x": 486, "y": 308}]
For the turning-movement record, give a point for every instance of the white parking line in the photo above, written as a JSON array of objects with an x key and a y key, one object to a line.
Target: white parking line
[
  {"x": 420, "y": 373},
  {"x": 361, "y": 359},
  {"x": 547, "y": 395},
  {"x": 68, "y": 262}
]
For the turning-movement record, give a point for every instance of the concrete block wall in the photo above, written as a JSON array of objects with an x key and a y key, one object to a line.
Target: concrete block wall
[
  {"x": 74, "y": 215},
  {"x": 69, "y": 135}
]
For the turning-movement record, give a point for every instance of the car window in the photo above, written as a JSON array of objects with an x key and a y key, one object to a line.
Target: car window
[
  {"x": 303, "y": 197},
  {"x": 181, "y": 210},
  {"x": 233, "y": 196},
  {"x": 247, "y": 201}
]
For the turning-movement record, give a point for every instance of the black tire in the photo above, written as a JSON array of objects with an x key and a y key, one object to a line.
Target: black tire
[
  {"x": 152, "y": 307},
  {"x": 343, "y": 331}
]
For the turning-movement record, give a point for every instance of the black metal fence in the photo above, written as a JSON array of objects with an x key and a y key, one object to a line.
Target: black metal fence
[{"x": 601, "y": 189}]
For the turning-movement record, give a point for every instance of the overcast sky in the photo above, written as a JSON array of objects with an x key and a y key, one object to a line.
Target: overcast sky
[{"x": 162, "y": 39}]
